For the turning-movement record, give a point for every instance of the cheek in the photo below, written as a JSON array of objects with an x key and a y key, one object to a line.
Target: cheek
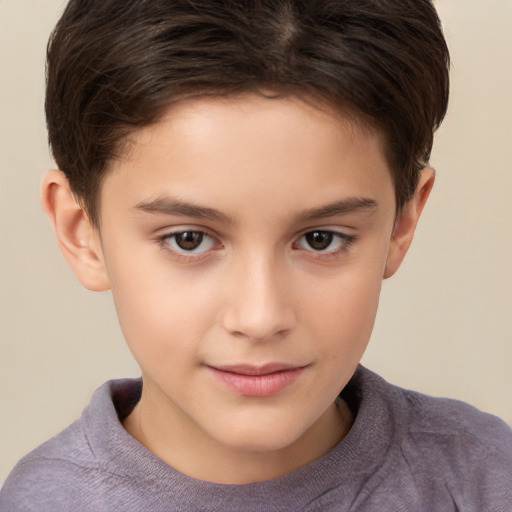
[
  {"x": 342, "y": 311},
  {"x": 350, "y": 292},
  {"x": 162, "y": 313}
]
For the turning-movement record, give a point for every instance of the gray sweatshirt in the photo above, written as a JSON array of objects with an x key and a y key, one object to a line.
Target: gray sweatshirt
[{"x": 405, "y": 452}]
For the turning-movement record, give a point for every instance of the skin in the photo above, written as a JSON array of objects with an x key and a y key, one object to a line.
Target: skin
[{"x": 257, "y": 176}]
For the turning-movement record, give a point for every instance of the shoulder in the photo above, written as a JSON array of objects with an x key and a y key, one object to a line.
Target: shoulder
[
  {"x": 437, "y": 453},
  {"x": 433, "y": 419},
  {"x": 60, "y": 462},
  {"x": 68, "y": 471},
  {"x": 457, "y": 423},
  {"x": 466, "y": 451}
]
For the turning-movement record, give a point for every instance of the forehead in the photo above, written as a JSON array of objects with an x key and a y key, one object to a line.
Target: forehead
[
  {"x": 253, "y": 114},
  {"x": 215, "y": 150}
]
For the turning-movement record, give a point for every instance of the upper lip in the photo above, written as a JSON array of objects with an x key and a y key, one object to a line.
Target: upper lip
[{"x": 248, "y": 369}]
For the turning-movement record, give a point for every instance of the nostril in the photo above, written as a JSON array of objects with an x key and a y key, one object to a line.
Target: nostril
[
  {"x": 258, "y": 326},
  {"x": 259, "y": 338}
]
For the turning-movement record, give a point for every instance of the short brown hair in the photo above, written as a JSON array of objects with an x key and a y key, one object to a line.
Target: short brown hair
[{"x": 114, "y": 66}]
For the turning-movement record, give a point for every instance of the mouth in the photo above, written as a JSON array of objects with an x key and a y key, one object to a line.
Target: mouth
[{"x": 257, "y": 381}]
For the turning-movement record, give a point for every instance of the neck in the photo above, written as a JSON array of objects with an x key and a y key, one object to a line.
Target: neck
[{"x": 190, "y": 450}]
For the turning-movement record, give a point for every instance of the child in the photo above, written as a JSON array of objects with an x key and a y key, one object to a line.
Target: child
[{"x": 242, "y": 176}]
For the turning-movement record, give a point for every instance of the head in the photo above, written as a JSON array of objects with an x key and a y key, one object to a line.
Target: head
[
  {"x": 115, "y": 67},
  {"x": 242, "y": 176}
]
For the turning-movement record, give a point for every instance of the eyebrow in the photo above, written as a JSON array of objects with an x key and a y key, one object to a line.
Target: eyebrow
[
  {"x": 167, "y": 206},
  {"x": 343, "y": 207}
]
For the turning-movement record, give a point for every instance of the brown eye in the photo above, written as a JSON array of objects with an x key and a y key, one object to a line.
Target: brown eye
[
  {"x": 191, "y": 244},
  {"x": 324, "y": 242},
  {"x": 189, "y": 240},
  {"x": 319, "y": 240}
]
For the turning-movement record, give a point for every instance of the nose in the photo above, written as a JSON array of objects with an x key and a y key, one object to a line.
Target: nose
[{"x": 259, "y": 303}]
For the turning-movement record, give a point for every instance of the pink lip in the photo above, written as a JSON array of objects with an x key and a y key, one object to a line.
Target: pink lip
[{"x": 257, "y": 381}]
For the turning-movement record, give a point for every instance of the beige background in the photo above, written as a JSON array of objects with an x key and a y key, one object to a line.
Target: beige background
[{"x": 444, "y": 325}]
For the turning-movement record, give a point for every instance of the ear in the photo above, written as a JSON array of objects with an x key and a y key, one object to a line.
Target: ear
[
  {"x": 406, "y": 222},
  {"x": 78, "y": 240}
]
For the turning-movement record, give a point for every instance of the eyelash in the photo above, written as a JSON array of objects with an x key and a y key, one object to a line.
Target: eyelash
[
  {"x": 345, "y": 242},
  {"x": 180, "y": 254}
]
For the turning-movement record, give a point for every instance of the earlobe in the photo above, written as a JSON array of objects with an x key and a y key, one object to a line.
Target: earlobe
[
  {"x": 406, "y": 222},
  {"x": 78, "y": 240}
]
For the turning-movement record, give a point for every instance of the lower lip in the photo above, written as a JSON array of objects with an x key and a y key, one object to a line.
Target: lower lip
[{"x": 257, "y": 385}]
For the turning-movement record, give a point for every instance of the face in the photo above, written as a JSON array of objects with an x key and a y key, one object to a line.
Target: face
[{"x": 245, "y": 241}]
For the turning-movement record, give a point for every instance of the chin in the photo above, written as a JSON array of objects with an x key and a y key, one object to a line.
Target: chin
[{"x": 262, "y": 439}]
